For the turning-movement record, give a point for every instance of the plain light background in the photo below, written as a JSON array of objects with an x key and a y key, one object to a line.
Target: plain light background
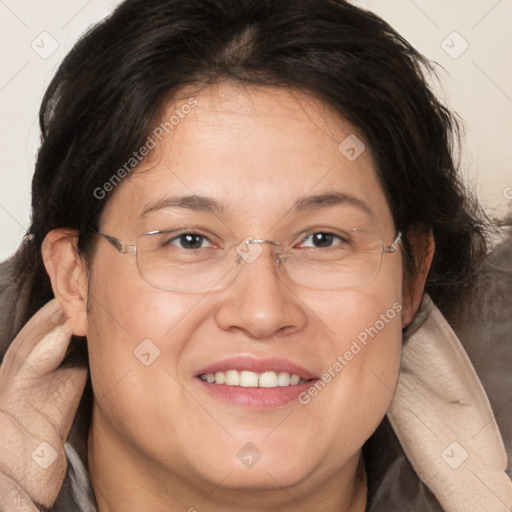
[{"x": 470, "y": 39}]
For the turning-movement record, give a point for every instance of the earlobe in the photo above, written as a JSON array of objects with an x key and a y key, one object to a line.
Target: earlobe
[
  {"x": 423, "y": 252},
  {"x": 68, "y": 276}
]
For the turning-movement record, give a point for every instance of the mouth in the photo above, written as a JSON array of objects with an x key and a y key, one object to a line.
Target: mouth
[{"x": 258, "y": 384}]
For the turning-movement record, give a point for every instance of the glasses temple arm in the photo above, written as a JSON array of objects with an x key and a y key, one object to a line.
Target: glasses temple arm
[{"x": 122, "y": 248}]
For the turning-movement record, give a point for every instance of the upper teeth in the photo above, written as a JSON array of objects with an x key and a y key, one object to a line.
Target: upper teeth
[{"x": 248, "y": 379}]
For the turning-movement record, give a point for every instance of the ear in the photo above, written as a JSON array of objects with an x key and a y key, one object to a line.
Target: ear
[
  {"x": 423, "y": 248},
  {"x": 68, "y": 276}
]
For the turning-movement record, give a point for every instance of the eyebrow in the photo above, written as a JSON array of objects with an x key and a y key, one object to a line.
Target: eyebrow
[
  {"x": 328, "y": 199},
  {"x": 208, "y": 204},
  {"x": 191, "y": 202}
]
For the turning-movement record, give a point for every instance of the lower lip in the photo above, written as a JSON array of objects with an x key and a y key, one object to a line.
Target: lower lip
[{"x": 258, "y": 398}]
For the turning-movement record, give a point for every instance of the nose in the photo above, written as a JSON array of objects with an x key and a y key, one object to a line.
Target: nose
[{"x": 261, "y": 301}]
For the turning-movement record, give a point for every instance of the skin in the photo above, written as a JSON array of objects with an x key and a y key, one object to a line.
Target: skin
[{"x": 158, "y": 441}]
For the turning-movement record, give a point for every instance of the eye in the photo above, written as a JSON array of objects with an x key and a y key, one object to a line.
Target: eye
[
  {"x": 322, "y": 240},
  {"x": 189, "y": 241}
]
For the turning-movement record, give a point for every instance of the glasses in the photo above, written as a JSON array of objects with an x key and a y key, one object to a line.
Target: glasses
[{"x": 187, "y": 261}]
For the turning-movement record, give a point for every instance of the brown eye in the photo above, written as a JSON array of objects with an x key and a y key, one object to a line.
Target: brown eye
[
  {"x": 188, "y": 241},
  {"x": 321, "y": 240}
]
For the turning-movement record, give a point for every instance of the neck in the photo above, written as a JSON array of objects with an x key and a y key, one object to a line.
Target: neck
[{"x": 124, "y": 479}]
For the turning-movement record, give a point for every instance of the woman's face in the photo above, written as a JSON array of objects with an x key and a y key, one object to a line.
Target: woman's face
[{"x": 256, "y": 153}]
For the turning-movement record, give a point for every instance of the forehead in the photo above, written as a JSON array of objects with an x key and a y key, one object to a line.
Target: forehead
[{"x": 255, "y": 151}]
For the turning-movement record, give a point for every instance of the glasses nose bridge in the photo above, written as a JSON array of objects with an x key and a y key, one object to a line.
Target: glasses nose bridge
[
  {"x": 260, "y": 241},
  {"x": 248, "y": 255}
]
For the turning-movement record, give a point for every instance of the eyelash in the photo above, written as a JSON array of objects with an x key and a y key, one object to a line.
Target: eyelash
[{"x": 204, "y": 237}]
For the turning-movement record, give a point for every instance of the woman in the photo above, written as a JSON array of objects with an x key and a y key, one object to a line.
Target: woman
[{"x": 238, "y": 207}]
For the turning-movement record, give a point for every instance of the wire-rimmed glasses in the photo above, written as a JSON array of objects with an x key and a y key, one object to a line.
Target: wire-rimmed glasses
[{"x": 176, "y": 259}]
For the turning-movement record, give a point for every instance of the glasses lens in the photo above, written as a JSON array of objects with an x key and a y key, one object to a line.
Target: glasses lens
[
  {"x": 166, "y": 264},
  {"x": 352, "y": 261}
]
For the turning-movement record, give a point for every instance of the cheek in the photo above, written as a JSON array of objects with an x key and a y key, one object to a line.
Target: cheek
[
  {"x": 361, "y": 372},
  {"x": 366, "y": 340},
  {"x": 373, "y": 349},
  {"x": 135, "y": 334},
  {"x": 370, "y": 355}
]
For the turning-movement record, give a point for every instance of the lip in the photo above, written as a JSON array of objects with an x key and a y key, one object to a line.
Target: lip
[
  {"x": 255, "y": 398},
  {"x": 252, "y": 364}
]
